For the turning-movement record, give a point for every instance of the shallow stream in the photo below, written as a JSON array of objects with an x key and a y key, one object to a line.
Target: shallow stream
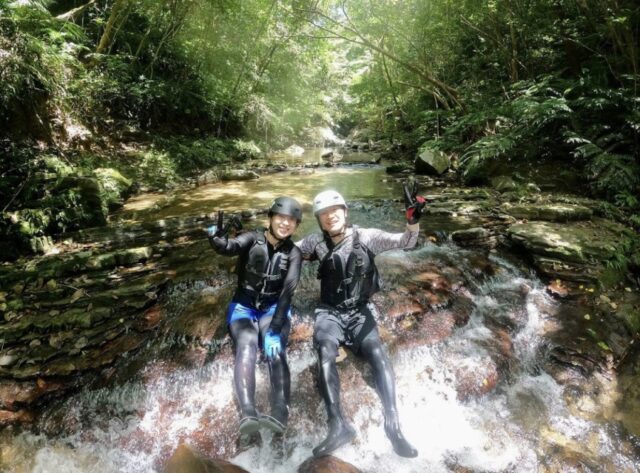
[{"x": 474, "y": 396}]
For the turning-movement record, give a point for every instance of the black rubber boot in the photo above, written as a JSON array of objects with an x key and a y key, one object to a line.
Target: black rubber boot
[
  {"x": 247, "y": 441},
  {"x": 400, "y": 445},
  {"x": 280, "y": 395},
  {"x": 385, "y": 384},
  {"x": 340, "y": 433},
  {"x": 244, "y": 373}
]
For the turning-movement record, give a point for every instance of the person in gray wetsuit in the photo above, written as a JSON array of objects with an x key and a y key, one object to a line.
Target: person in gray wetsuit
[{"x": 348, "y": 278}]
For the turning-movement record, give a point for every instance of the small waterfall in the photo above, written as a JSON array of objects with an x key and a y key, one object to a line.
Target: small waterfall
[{"x": 477, "y": 398}]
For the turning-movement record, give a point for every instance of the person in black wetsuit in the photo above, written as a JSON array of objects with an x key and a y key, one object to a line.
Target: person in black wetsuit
[
  {"x": 268, "y": 271},
  {"x": 345, "y": 315}
]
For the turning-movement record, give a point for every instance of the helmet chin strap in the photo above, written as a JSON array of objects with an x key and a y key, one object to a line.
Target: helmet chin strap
[
  {"x": 341, "y": 232},
  {"x": 273, "y": 234}
]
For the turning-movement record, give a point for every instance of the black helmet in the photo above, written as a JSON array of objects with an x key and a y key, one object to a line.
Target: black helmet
[{"x": 286, "y": 206}]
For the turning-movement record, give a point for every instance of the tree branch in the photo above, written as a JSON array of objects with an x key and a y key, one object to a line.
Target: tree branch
[
  {"x": 449, "y": 91},
  {"x": 71, "y": 14}
]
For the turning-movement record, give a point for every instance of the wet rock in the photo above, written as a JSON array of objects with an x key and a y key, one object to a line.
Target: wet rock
[
  {"x": 557, "y": 289},
  {"x": 326, "y": 464},
  {"x": 404, "y": 308},
  {"x": 431, "y": 162},
  {"x": 303, "y": 172},
  {"x": 186, "y": 460},
  {"x": 326, "y": 154},
  {"x": 239, "y": 175},
  {"x": 476, "y": 380},
  {"x": 15, "y": 393},
  {"x": 398, "y": 168},
  {"x": 18, "y": 417},
  {"x": 569, "y": 454},
  {"x": 503, "y": 183},
  {"x": 474, "y": 237},
  {"x": 208, "y": 177},
  {"x": 567, "y": 242},
  {"x": 575, "y": 359},
  {"x": 462, "y": 307},
  {"x": 133, "y": 255},
  {"x": 204, "y": 318},
  {"x": 573, "y": 251},
  {"x": 428, "y": 329},
  {"x": 556, "y": 212}
]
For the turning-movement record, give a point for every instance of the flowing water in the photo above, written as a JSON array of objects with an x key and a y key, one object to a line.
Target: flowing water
[{"x": 160, "y": 397}]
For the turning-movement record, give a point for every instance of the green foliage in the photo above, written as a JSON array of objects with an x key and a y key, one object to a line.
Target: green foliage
[
  {"x": 158, "y": 169},
  {"x": 245, "y": 150},
  {"x": 37, "y": 55}
]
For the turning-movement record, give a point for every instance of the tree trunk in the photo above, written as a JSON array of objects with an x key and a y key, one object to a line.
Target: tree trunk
[{"x": 117, "y": 10}]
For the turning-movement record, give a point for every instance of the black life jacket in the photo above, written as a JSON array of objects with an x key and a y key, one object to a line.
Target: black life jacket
[
  {"x": 262, "y": 277},
  {"x": 347, "y": 284}
]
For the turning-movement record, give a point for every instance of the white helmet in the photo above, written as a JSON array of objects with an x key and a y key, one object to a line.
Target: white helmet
[{"x": 327, "y": 199}]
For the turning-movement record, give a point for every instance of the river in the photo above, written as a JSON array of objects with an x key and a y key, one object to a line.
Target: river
[{"x": 477, "y": 391}]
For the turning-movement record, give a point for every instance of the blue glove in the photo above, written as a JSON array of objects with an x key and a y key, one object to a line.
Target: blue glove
[
  {"x": 272, "y": 345},
  {"x": 212, "y": 230}
]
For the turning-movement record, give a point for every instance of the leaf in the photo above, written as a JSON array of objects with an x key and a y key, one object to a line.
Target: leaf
[
  {"x": 80, "y": 293},
  {"x": 604, "y": 346}
]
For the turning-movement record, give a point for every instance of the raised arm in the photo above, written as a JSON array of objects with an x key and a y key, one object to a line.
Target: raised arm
[
  {"x": 378, "y": 240},
  {"x": 226, "y": 246}
]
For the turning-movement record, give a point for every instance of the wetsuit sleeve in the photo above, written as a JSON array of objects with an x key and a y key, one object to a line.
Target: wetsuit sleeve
[
  {"x": 378, "y": 240},
  {"x": 289, "y": 286},
  {"x": 308, "y": 246},
  {"x": 233, "y": 246}
]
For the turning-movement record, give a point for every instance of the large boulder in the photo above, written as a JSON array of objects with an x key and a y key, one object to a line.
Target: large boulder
[
  {"x": 91, "y": 209},
  {"x": 186, "y": 460},
  {"x": 556, "y": 212},
  {"x": 115, "y": 187},
  {"x": 503, "y": 183},
  {"x": 239, "y": 175},
  {"x": 327, "y": 464},
  {"x": 579, "y": 251},
  {"x": 432, "y": 162}
]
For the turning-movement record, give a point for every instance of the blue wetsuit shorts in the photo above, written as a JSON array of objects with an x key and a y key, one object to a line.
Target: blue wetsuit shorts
[{"x": 237, "y": 311}]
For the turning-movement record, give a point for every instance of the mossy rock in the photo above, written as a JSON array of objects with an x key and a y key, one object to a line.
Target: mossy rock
[
  {"x": 54, "y": 164},
  {"x": 396, "y": 168},
  {"x": 580, "y": 251},
  {"x": 27, "y": 222},
  {"x": 114, "y": 187},
  {"x": 556, "y": 212},
  {"x": 85, "y": 200},
  {"x": 583, "y": 242},
  {"x": 133, "y": 255}
]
